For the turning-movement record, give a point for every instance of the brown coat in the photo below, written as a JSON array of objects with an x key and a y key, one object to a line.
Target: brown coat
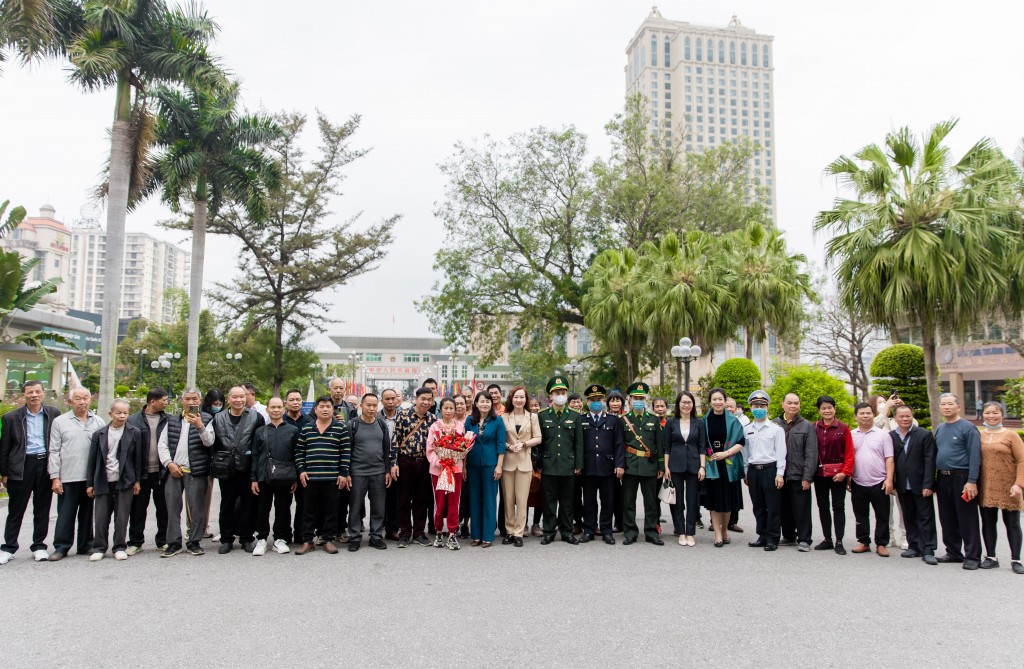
[
  {"x": 1002, "y": 465},
  {"x": 529, "y": 434}
]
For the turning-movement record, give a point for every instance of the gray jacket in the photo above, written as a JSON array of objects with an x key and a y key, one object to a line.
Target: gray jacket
[{"x": 801, "y": 449}]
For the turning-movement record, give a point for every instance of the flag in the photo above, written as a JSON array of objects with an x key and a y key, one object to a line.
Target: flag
[
  {"x": 74, "y": 381},
  {"x": 311, "y": 393}
]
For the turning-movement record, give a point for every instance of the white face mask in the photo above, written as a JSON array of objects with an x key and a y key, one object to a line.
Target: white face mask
[{"x": 559, "y": 400}]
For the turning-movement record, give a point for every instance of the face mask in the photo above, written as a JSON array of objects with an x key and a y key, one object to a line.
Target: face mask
[
  {"x": 216, "y": 409},
  {"x": 997, "y": 426},
  {"x": 639, "y": 405},
  {"x": 596, "y": 407},
  {"x": 759, "y": 413},
  {"x": 559, "y": 400}
]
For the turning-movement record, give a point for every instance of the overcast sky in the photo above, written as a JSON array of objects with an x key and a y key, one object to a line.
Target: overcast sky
[{"x": 425, "y": 75}]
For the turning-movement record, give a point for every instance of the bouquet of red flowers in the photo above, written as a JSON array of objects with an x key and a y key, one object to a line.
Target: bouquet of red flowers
[{"x": 451, "y": 448}]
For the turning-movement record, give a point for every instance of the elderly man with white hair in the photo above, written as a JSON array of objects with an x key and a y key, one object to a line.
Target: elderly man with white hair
[{"x": 68, "y": 464}]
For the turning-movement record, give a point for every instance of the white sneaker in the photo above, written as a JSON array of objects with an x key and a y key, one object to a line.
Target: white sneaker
[
  {"x": 281, "y": 547},
  {"x": 6, "y": 557},
  {"x": 40, "y": 555},
  {"x": 121, "y": 555},
  {"x": 261, "y": 548},
  {"x": 132, "y": 550},
  {"x": 95, "y": 557}
]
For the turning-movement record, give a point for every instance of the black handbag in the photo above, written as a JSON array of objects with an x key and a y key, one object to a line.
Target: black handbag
[
  {"x": 279, "y": 472},
  {"x": 220, "y": 465}
]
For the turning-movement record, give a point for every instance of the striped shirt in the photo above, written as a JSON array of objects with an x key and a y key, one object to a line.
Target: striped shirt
[{"x": 321, "y": 455}]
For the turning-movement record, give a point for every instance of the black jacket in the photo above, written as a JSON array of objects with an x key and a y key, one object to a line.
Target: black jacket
[
  {"x": 130, "y": 455},
  {"x": 138, "y": 419},
  {"x": 275, "y": 442},
  {"x": 684, "y": 454},
  {"x": 12, "y": 440},
  {"x": 917, "y": 464},
  {"x": 388, "y": 449},
  {"x": 604, "y": 445}
]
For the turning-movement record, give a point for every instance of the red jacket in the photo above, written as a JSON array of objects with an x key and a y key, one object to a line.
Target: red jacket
[{"x": 835, "y": 444}]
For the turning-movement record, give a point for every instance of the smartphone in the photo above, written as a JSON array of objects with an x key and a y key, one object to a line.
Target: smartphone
[{"x": 193, "y": 411}]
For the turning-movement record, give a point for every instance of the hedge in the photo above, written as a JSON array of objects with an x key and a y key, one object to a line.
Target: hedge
[{"x": 739, "y": 377}]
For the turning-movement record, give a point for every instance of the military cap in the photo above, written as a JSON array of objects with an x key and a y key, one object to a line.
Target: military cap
[
  {"x": 639, "y": 388},
  {"x": 556, "y": 383},
  {"x": 594, "y": 390},
  {"x": 758, "y": 396}
]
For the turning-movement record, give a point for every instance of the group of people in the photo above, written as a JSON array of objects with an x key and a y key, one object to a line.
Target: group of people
[{"x": 468, "y": 467}]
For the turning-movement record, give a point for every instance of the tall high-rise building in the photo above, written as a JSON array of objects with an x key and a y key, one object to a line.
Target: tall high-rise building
[
  {"x": 712, "y": 84},
  {"x": 151, "y": 267},
  {"x": 48, "y": 240}
]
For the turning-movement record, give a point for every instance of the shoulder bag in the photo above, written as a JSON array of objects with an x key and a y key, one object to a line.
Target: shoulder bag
[{"x": 279, "y": 472}]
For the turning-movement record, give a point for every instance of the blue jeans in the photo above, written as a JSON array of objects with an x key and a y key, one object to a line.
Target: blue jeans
[{"x": 483, "y": 502}]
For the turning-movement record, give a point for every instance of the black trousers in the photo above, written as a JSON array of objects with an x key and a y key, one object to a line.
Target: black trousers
[
  {"x": 864, "y": 498},
  {"x": 826, "y": 489},
  {"x": 766, "y": 500},
  {"x": 344, "y": 500},
  {"x": 919, "y": 519},
  {"x": 557, "y": 504},
  {"x": 502, "y": 530},
  {"x": 595, "y": 487},
  {"x": 280, "y": 497},
  {"x": 796, "y": 512},
  {"x": 391, "y": 507},
  {"x": 686, "y": 509},
  {"x": 321, "y": 495},
  {"x": 415, "y": 498},
  {"x": 648, "y": 486},
  {"x": 300, "y": 507},
  {"x": 959, "y": 519},
  {"x": 152, "y": 487},
  {"x": 237, "y": 508},
  {"x": 577, "y": 501},
  {"x": 35, "y": 486},
  {"x": 618, "y": 510},
  {"x": 74, "y": 505},
  {"x": 990, "y": 533}
]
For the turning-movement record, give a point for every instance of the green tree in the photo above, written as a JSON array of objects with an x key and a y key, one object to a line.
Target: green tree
[
  {"x": 613, "y": 304},
  {"x": 34, "y": 29},
  {"x": 900, "y": 369},
  {"x": 297, "y": 253},
  {"x": 810, "y": 382},
  {"x": 211, "y": 154},
  {"x": 921, "y": 241},
  {"x": 533, "y": 366},
  {"x": 131, "y": 45},
  {"x": 738, "y": 377}
]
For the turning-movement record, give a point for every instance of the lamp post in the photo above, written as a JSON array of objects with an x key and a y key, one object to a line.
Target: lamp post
[
  {"x": 573, "y": 369},
  {"x": 684, "y": 353},
  {"x": 142, "y": 356},
  {"x": 166, "y": 361}
]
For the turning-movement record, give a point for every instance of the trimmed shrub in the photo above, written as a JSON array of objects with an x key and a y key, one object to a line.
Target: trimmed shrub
[
  {"x": 810, "y": 382},
  {"x": 121, "y": 391},
  {"x": 900, "y": 368},
  {"x": 142, "y": 391},
  {"x": 739, "y": 377}
]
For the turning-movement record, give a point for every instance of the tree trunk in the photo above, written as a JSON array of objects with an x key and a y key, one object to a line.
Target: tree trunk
[
  {"x": 750, "y": 344},
  {"x": 117, "y": 208},
  {"x": 931, "y": 370},
  {"x": 661, "y": 370},
  {"x": 195, "y": 291},
  {"x": 629, "y": 366},
  {"x": 279, "y": 355}
]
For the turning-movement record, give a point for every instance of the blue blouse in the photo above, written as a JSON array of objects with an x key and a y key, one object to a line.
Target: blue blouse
[{"x": 488, "y": 445}]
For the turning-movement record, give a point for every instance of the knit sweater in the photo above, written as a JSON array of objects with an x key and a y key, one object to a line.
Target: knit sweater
[{"x": 323, "y": 456}]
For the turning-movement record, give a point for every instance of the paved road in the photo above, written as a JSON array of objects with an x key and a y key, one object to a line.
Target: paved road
[{"x": 538, "y": 606}]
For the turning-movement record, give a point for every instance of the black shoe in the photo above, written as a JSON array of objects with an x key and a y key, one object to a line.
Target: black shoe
[
  {"x": 518, "y": 542},
  {"x": 224, "y": 549},
  {"x": 700, "y": 523},
  {"x": 608, "y": 539},
  {"x": 617, "y": 530},
  {"x": 423, "y": 540},
  {"x": 970, "y": 565},
  {"x": 403, "y": 542},
  {"x": 353, "y": 546},
  {"x": 760, "y": 543},
  {"x": 586, "y": 538},
  {"x": 930, "y": 560},
  {"x": 736, "y": 528},
  {"x": 910, "y": 553},
  {"x": 840, "y": 550},
  {"x": 195, "y": 549},
  {"x": 656, "y": 542},
  {"x": 571, "y": 540},
  {"x": 771, "y": 547},
  {"x": 508, "y": 541},
  {"x": 248, "y": 546},
  {"x": 547, "y": 539},
  {"x": 948, "y": 559},
  {"x": 628, "y": 542},
  {"x": 378, "y": 544},
  {"x": 1017, "y": 567},
  {"x": 464, "y": 532},
  {"x": 825, "y": 545},
  {"x": 987, "y": 563},
  {"x": 787, "y": 542},
  {"x": 57, "y": 556}
]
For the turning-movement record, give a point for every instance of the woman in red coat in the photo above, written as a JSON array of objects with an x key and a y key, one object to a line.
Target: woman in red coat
[{"x": 835, "y": 466}]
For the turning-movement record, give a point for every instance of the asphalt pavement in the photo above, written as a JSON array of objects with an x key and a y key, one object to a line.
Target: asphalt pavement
[{"x": 537, "y": 606}]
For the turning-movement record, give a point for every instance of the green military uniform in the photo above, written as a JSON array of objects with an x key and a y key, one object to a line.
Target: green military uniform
[
  {"x": 561, "y": 448},
  {"x": 644, "y": 460}
]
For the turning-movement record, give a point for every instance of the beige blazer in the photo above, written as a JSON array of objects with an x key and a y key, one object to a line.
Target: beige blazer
[{"x": 528, "y": 431}]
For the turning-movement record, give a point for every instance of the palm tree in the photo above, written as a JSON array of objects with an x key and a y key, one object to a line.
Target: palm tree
[
  {"x": 921, "y": 241},
  {"x": 770, "y": 286},
  {"x": 34, "y": 29},
  {"x": 131, "y": 45},
  {"x": 211, "y": 155},
  {"x": 612, "y": 305},
  {"x": 687, "y": 291}
]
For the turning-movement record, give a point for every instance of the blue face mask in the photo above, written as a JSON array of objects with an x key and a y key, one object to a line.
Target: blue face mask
[
  {"x": 596, "y": 407},
  {"x": 216, "y": 409},
  {"x": 760, "y": 413},
  {"x": 639, "y": 405}
]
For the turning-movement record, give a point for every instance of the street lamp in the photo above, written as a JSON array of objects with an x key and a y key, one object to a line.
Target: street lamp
[
  {"x": 166, "y": 361},
  {"x": 684, "y": 353},
  {"x": 142, "y": 355},
  {"x": 233, "y": 356},
  {"x": 573, "y": 369}
]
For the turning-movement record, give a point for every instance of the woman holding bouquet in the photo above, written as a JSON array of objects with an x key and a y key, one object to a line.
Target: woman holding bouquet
[
  {"x": 446, "y": 447},
  {"x": 461, "y": 414},
  {"x": 484, "y": 464},
  {"x": 522, "y": 433},
  {"x": 724, "y": 465}
]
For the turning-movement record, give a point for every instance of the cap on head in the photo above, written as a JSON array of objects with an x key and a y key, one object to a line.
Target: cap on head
[
  {"x": 556, "y": 383},
  {"x": 639, "y": 389},
  {"x": 759, "y": 396},
  {"x": 595, "y": 391}
]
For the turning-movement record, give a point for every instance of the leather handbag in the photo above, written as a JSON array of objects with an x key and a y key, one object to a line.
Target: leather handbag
[
  {"x": 220, "y": 465},
  {"x": 667, "y": 493},
  {"x": 831, "y": 469},
  {"x": 280, "y": 472}
]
